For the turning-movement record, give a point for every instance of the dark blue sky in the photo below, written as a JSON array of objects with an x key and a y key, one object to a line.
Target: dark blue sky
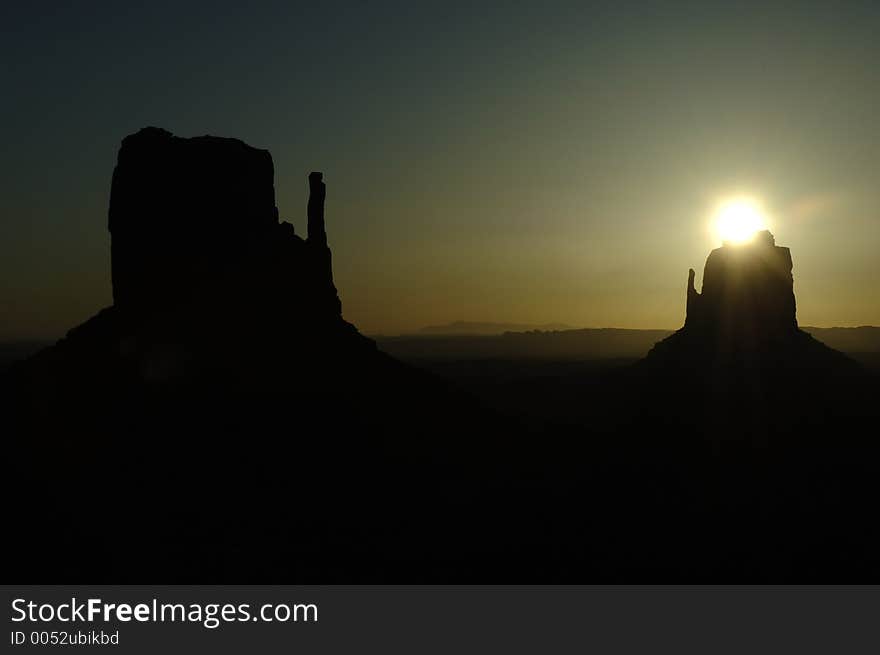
[{"x": 530, "y": 162}]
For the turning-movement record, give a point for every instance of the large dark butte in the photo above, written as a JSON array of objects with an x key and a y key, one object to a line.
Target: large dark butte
[
  {"x": 765, "y": 436},
  {"x": 222, "y": 421},
  {"x": 740, "y": 362}
]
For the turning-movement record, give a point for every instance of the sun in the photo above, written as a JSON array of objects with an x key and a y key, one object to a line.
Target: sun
[{"x": 738, "y": 220}]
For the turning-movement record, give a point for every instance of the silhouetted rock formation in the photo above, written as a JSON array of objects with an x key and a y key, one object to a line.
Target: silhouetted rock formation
[
  {"x": 318, "y": 251},
  {"x": 749, "y": 373},
  {"x": 744, "y": 318},
  {"x": 180, "y": 210},
  {"x": 748, "y": 291},
  {"x": 196, "y": 218},
  {"x": 224, "y": 365}
]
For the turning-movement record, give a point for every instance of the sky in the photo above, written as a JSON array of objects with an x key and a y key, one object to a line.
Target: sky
[{"x": 522, "y": 162}]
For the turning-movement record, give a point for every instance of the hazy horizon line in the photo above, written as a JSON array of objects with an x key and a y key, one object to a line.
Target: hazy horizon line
[{"x": 421, "y": 331}]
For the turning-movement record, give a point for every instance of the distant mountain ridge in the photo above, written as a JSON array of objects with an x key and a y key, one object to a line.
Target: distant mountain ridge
[
  {"x": 586, "y": 343},
  {"x": 473, "y": 328},
  {"x": 862, "y": 336}
]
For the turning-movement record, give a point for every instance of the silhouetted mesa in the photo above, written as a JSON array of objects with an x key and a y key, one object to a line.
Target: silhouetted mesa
[
  {"x": 745, "y": 316},
  {"x": 747, "y": 291},
  {"x": 206, "y": 278},
  {"x": 223, "y": 369},
  {"x": 179, "y": 210},
  {"x": 196, "y": 217}
]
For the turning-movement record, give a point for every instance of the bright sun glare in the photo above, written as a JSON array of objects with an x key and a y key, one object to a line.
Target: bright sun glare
[{"x": 738, "y": 220}]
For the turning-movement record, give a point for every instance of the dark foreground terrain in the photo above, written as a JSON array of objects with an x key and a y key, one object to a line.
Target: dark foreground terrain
[{"x": 542, "y": 472}]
